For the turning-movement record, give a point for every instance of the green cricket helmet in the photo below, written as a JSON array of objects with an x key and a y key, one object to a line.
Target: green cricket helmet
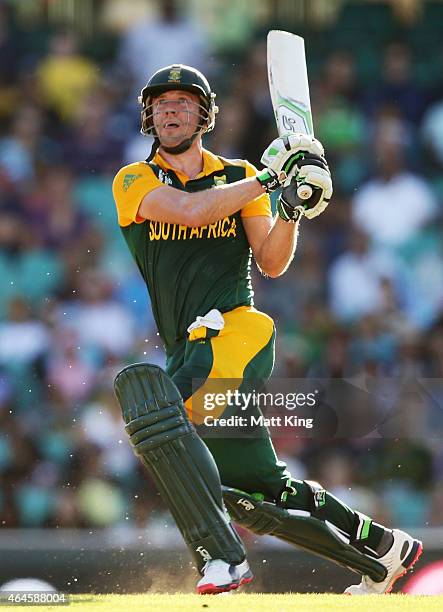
[{"x": 181, "y": 77}]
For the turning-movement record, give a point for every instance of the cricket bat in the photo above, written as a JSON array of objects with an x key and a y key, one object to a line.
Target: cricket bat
[{"x": 289, "y": 88}]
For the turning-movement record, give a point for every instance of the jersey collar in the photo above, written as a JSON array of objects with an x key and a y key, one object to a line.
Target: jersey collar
[{"x": 211, "y": 163}]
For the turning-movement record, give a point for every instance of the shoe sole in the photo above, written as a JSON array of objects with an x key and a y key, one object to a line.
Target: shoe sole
[{"x": 212, "y": 589}]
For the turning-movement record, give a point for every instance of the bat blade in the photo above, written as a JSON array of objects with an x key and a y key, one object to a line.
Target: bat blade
[
  {"x": 289, "y": 88},
  {"x": 288, "y": 83}
]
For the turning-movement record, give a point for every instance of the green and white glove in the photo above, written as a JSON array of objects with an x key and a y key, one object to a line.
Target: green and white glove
[
  {"x": 281, "y": 157},
  {"x": 313, "y": 171}
]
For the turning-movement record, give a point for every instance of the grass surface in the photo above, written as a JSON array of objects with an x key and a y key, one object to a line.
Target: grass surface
[{"x": 256, "y": 602}]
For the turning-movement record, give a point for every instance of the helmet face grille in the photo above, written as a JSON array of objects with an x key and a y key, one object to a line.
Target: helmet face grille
[
  {"x": 178, "y": 77},
  {"x": 205, "y": 124}
]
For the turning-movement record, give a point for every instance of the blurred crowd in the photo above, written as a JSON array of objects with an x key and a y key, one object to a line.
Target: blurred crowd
[{"x": 364, "y": 297}]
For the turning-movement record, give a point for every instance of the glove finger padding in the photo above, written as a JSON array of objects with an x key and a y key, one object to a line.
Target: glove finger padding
[
  {"x": 313, "y": 160},
  {"x": 310, "y": 213},
  {"x": 320, "y": 180},
  {"x": 316, "y": 174},
  {"x": 282, "y": 154},
  {"x": 306, "y": 159}
]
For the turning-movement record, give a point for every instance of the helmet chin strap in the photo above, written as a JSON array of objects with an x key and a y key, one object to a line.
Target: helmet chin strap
[
  {"x": 155, "y": 146},
  {"x": 180, "y": 148}
]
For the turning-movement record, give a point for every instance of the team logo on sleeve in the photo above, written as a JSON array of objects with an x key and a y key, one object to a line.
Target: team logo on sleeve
[
  {"x": 220, "y": 180},
  {"x": 128, "y": 179}
]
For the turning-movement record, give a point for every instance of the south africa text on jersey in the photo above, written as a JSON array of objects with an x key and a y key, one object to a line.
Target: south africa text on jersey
[{"x": 171, "y": 231}]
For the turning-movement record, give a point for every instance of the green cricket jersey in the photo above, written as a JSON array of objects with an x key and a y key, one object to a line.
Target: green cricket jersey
[{"x": 188, "y": 271}]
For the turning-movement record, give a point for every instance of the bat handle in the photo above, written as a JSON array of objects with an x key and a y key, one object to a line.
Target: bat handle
[{"x": 304, "y": 192}]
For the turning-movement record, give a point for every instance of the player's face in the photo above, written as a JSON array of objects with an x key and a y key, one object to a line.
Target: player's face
[{"x": 176, "y": 116}]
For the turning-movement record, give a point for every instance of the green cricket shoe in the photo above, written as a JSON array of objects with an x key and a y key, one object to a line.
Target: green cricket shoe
[{"x": 401, "y": 557}]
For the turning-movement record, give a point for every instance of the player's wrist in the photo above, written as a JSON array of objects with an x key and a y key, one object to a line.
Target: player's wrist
[{"x": 268, "y": 179}]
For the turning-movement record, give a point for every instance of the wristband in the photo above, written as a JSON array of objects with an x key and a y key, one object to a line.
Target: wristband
[{"x": 268, "y": 179}]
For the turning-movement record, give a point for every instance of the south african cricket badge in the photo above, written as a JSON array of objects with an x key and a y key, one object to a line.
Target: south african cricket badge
[{"x": 175, "y": 74}]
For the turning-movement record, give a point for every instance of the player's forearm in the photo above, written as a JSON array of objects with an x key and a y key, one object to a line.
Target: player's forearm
[
  {"x": 277, "y": 250},
  {"x": 170, "y": 205},
  {"x": 211, "y": 205}
]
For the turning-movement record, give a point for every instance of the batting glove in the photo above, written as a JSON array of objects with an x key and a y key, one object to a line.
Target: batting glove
[
  {"x": 312, "y": 170},
  {"x": 281, "y": 157}
]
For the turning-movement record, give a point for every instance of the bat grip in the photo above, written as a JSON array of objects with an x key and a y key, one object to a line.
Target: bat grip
[{"x": 304, "y": 192}]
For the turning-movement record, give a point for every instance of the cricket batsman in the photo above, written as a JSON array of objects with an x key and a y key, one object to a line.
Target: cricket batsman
[{"x": 192, "y": 221}]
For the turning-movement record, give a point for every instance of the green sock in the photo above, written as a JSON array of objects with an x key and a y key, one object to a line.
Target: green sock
[{"x": 353, "y": 526}]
